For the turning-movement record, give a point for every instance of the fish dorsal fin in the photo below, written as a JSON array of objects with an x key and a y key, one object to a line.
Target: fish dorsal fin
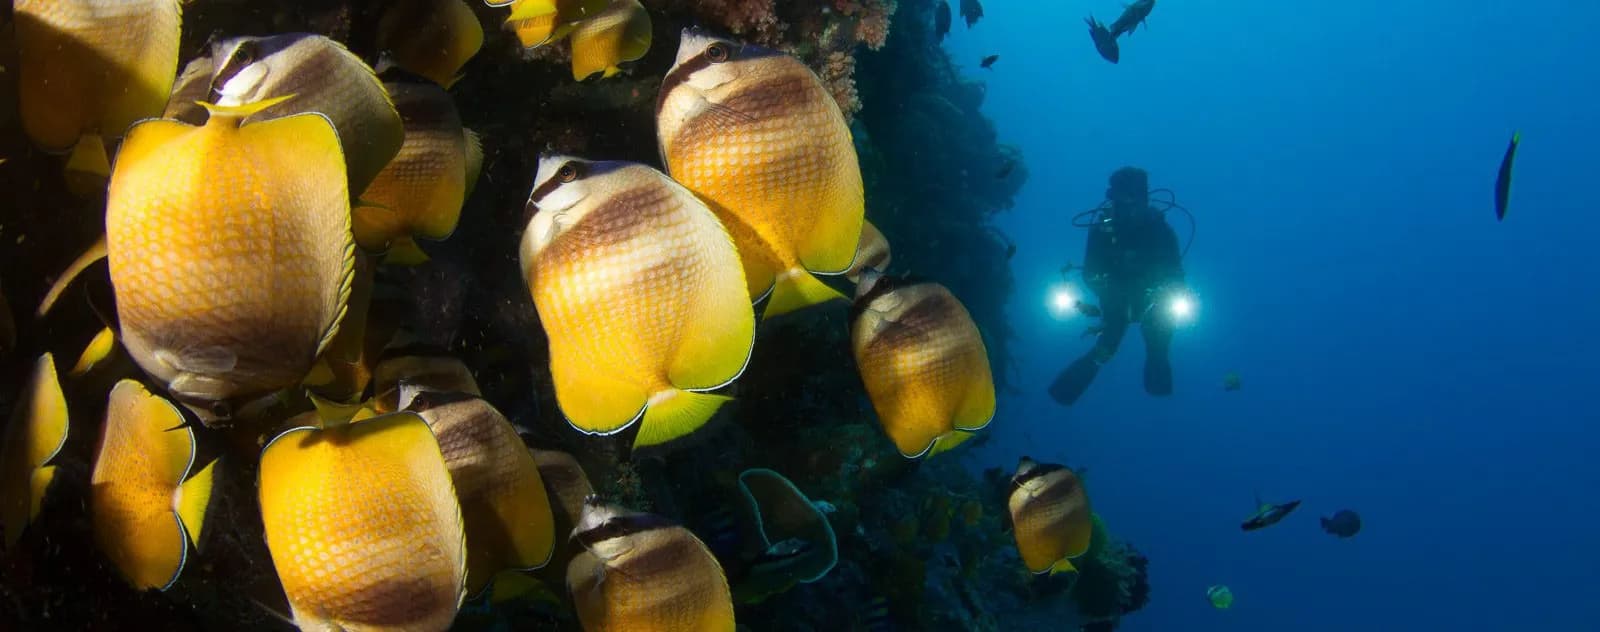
[{"x": 236, "y": 112}]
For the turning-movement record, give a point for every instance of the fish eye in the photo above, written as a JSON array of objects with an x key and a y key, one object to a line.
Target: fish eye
[
  {"x": 221, "y": 410},
  {"x": 569, "y": 172},
  {"x": 717, "y": 53}
]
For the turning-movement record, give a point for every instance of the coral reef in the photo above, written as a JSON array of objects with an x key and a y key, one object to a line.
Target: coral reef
[{"x": 924, "y": 537}]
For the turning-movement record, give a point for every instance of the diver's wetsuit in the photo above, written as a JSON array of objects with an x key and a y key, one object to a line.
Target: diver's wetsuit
[{"x": 1130, "y": 261}]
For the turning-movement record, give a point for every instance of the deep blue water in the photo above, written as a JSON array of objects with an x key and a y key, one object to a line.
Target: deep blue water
[{"x": 1403, "y": 354}]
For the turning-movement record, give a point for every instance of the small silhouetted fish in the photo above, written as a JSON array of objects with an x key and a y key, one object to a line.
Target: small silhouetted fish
[
  {"x": 1104, "y": 42},
  {"x": 1008, "y": 165},
  {"x": 1132, "y": 16},
  {"x": 941, "y": 20},
  {"x": 1268, "y": 514},
  {"x": 1502, "y": 184},
  {"x": 1232, "y": 382},
  {"x": 971, "y": 11},
  {"x": 1088, "y": 309},
  {"x": 1344, "y": 523},
  {"x": 988, "y": 62},
  {"x": 1011, "y": 251}
]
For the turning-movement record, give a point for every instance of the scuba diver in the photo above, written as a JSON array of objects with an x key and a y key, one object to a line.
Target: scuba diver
[{"x": 1133, "y": 265}]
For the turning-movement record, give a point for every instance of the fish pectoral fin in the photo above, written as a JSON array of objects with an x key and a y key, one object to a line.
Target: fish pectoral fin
[
  {"x": 194, "y": 495},
  {"x": 95, "y": 253},
  {"x": 1062, "y": 566},
  {"x": 676, "y": 414}
]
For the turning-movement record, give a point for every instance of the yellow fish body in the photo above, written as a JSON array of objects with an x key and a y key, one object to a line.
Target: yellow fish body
[
  {"x": 540, "y": 22},
  {"x": 873, "y": 252},
  {"x": 36, "y": 433},
  {"x": 230, "y": 252},
  {"x": 923, "y": 363},
  {"x": 320, "y": 75},
  {"x": 640, "y": 572},
  {"x": 640, "y": 293},
  {"x": 93, "y": 66},
  {"x": 620, "y": 33},
  {"x": 146, "y": 506},
  {"x": 419, "y": 194},
  {"x": 431, "y": 38},
  {"x": 756, "y": 134},
  {"x": 504, "y": 506},
  {"x": 1049, "y": 516},
  {"x": 363, "y": 525}
]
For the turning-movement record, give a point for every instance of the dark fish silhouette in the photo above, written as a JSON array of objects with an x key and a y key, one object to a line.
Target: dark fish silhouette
[
  {"x": 988, "y": 62},
  {"x": 1104, "y": 42},
  {"x": 1005, "y": 167},
  {"x": 971, "y": 11},
  {"x": 1268, "y": 514},
  {"x": 1087, "y": 309},
  {"x": 1132, "y": 16},
  {"x": 1232, "y": 382},
  {"x": 1502, "y": 184},
  {"x": 941, "y": 20},
  {"x": 1344, "y": 523}
]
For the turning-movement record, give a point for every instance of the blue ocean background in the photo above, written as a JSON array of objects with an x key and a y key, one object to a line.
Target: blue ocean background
[{"x": 1403, "y": 354}]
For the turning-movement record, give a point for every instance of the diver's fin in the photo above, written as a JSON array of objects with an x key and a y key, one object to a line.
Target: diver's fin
[{"x": 676, "y": 414}]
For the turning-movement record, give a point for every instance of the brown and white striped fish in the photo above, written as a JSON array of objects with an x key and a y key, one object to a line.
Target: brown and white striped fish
[
  {"x": 323, "y": 77},
  {"x": 923, "y": 363},
  {"x": 640, "y": 293},
  {"x": 640, "y": 571},
  {"x": 757, "y": 135},
  {"x": 1049, "y": 516}
]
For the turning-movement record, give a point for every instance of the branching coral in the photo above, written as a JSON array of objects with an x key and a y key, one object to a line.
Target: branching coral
[{"x": 838, "y": 73}]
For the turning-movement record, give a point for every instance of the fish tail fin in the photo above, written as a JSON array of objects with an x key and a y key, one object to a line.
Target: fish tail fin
[
  {"x": 797, "y": 289},
  {"x": 194, "y": 495},
  {"x": 949, "y": 441},
  {"x": 404, "y": 251},
  {"x": 675, "y": 413},
  {"x": 88, "y": 168},
  {"x": 1063, "y": 566},
  {"x": 95, "y": 252}
]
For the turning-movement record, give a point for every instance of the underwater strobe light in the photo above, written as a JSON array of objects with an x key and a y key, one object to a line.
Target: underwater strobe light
[
  {"x": 1181, "y": 307},
  {"x": 1063, "y": 301}
]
